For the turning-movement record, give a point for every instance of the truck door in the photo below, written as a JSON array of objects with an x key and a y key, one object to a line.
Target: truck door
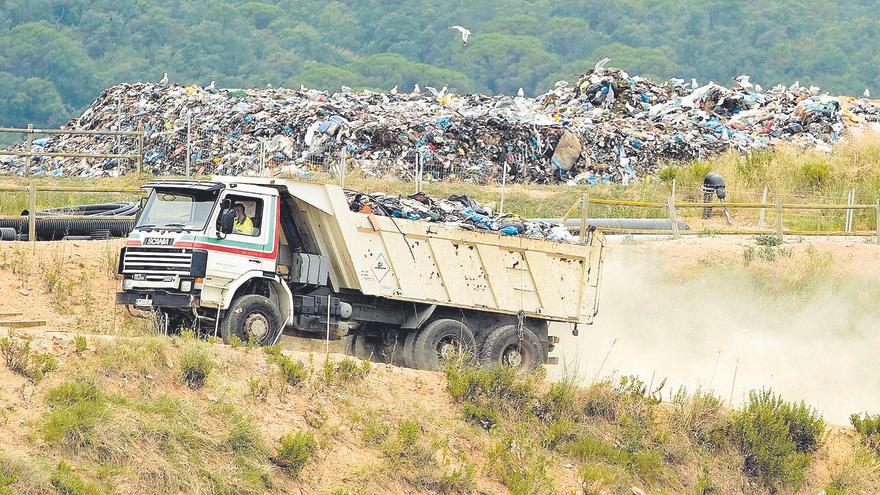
[{"x": 252, "y": 245}]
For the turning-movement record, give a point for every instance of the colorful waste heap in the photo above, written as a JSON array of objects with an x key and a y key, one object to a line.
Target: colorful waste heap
[
  {"x": 607, "y": 126},
  {"x": 459, "y": 211}
]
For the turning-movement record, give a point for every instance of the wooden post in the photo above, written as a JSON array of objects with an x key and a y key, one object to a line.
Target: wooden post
[
  {"x": 342, "y": 168},
  {"x": 673, "y": 218},
  {"x": 139, "y": 164},
  {"x": 851, "y": 200},
  {"x": 779, "y": 217},
  {"x": 30, "y": 149},
  {"x": 188, "y": 145},
  {"x": 32, "y": 211},
  {"x": 877, "y": 216},
  {"x": 585, "y": 212},
  {"x": 503, "y": 187},
  {"x": 761, "y": 214}
]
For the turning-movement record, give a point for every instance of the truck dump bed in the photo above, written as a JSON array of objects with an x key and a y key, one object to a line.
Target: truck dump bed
[{"x": 431, "y": 263}]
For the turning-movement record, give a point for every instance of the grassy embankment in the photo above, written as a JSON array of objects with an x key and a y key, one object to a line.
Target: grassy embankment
[{"x": 792, "y": 174}]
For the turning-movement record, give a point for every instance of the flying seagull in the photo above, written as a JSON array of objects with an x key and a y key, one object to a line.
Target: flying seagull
[
  {"x": 867, "y": 93},
  {"x": 164, "y": 79},
  {"x": 465, "y": 33}
]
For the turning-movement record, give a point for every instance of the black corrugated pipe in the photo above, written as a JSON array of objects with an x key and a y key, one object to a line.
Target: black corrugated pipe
[{"x": 53, "y": 229}]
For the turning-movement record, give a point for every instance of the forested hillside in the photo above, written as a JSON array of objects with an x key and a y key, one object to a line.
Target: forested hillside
[{"x": 55, "y": 55}]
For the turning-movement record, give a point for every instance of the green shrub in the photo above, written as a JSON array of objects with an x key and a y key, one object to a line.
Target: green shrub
[
  {"x": 559, "y": 401},
  {"x": 501, "y": 385},
  {"x": 258, "y": 389},
  {"x": 77, "y": 407},
  {"x": 235, "y": 341},
  {"x": 815, "y": 174},
  {"x": 292, "y": 372},
  {"x": 558, "y": 432},
  {"x": 294, "y": 452},
  {"x": 520, "y": 465},
  {"x": 869, "y": 430},
  {"x": 67, "y": 482},
  {"x": 80, "y": 344},
  {"x": 18, "y": 357},
  {"x": 196, "y": 363},
  {"x": 668, "y": 174},
  {"x": 702, "y": 418},
  {"x": 768, "y": 240},
  {"x": 375, "y": 432},
  {"x": 483, "y": 416},
  {"x": 776, "y": 438}
]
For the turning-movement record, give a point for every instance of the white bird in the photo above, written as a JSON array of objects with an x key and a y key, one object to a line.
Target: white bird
[
  {"x": 601, "y": 64},
  {"x": 164, "y": 79},
  {"x": 211, "y": 87},
  {"x": 520, "y": 93},
  {"x": 867, "y": 93},
  {"x": 694, "y": 84},
  {"x": 465, "y": 33},
  {"x": 394, "y": 90},
  {"x": 437, "y": 94},
  {"x": 345, "y": 89},
  {"x": 417, "y": 90},
  {"x": 743, "y": 81},
  {"x": 758, "y": 88}
]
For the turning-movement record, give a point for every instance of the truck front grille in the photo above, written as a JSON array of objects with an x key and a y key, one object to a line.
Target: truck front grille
[{"x": 157, "y": 260}]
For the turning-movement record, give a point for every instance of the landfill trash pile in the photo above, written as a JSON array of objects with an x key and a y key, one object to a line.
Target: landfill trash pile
[
  {"x": 458, "y": 211},
  {"x": 606, "y": 126}
]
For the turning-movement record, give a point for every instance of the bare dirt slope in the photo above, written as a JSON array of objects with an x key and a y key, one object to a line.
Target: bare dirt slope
[{"x": 120, "y": 414}]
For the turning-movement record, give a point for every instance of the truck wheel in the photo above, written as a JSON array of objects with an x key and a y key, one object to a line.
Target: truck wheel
[
  {"x": 365, "y": 347},
  {"x": 409, "y": 342},
  {"x": 510, "y": 347},
  {"x": 252, "y": 316},
  {"x": 441, "y": 340}
]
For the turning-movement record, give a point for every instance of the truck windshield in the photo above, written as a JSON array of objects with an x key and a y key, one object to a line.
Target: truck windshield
[{"x": 177, "y": 209}]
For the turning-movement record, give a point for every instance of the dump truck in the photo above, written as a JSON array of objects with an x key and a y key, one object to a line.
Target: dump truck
[{"x": 251, "y": 258}]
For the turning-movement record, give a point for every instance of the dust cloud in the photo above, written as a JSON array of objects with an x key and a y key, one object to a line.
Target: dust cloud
[{"x": 822, "y": 349}]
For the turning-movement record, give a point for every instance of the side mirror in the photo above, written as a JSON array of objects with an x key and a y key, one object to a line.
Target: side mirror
[
  {"x": 226, "y": 221},
  {"x": 141, "y": 204}
]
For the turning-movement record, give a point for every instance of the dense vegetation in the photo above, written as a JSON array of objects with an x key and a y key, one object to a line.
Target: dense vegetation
[{"x": 55, "y": 55}]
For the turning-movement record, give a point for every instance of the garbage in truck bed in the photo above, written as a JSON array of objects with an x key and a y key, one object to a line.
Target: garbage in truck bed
[
  {"x": 605, "y": 126},
  {"x": 456, "y": 211}
]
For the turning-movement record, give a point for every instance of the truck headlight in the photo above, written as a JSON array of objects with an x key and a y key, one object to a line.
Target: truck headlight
[
  {"x": 127, "y": 284},
  {"x": 186, "y": 286}
]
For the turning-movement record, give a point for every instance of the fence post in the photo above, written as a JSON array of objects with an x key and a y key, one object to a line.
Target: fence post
[
  {"x": 418, "y": 171},
  {"x": 761, "y": 214},
  {"x": 140, "y": 149},
  {"x": 877, "y": 218},
  {"x": 188, "y": 143},
  {"x": 29, "y": 149},
  {"x": 342, "y": 168},
  {"x": 32, "y": 211},
  {"x": 262, "y": 158},
  {"x": 779, "y": 217},
  {"x": 585, "y": 212},
  {"x": 851, "y": 200},
  {"x": 503, "y": 187},
  {"x": 673, "y": 218}
]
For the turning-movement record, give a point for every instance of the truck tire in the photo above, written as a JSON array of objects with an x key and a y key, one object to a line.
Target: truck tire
[
  {"x": 252, "y": 314},
  {"x": 508, "y": 346},
  {"x": 442, "y": 339},
  {"x": 409, "y": 342},
  {"x": 365, "y": 347}
]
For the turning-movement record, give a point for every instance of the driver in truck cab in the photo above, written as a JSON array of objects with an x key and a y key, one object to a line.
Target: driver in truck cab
[{"x": 242, "y": 224}]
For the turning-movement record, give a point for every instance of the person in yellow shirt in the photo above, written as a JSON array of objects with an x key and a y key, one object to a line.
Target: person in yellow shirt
[{"x": 242, "y": 224}]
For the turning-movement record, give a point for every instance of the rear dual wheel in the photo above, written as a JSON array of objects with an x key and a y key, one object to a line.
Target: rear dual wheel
[{"x": 512, "y": 346}]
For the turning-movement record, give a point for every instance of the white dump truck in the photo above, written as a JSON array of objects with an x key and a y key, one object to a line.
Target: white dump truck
[{"x": 254, "y": 257}]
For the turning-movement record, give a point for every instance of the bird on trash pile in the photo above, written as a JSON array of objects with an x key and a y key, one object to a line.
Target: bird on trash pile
[
  {"x": 465, "y": 33},
  {"x": 211, "y": 87},
  {"x": 520, "y": 93},
  {"x": 743, "y": 81},
  {"x": 417, "y": 90},
  {"x": 394, "y": 90},
  {"x": 694, "y": 84},
  {"x": 867, "y": 93},
  {"x": 164, "y": 79}
]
